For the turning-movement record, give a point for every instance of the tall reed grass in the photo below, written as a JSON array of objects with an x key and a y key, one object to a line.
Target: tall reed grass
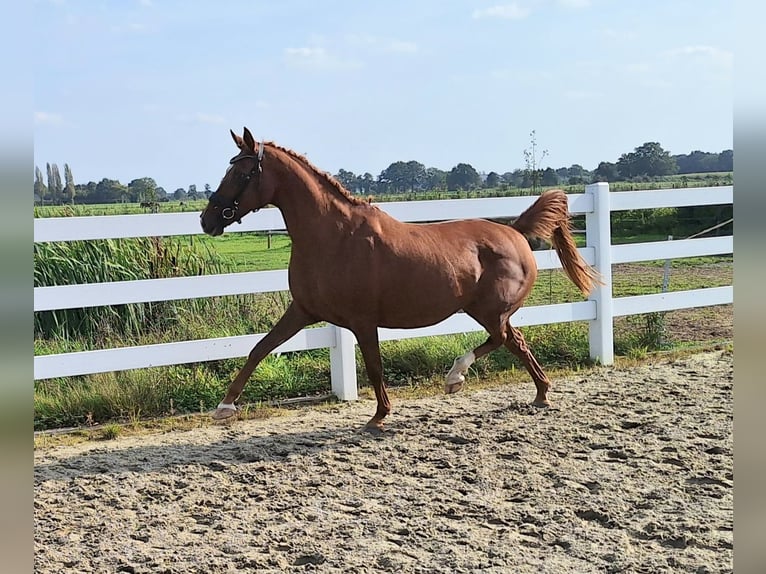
[{"x": 77, "y": 262}]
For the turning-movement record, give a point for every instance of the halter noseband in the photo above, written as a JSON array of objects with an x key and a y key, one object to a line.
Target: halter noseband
[{"x": 229, "y": 207}]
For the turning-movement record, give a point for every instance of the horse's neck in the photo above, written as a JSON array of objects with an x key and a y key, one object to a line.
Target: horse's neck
[{"x": 310, "y": 207}]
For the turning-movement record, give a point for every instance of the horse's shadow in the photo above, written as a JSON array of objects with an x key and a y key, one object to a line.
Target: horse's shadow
[
  {"x": 216, "y": 455},
  {"x": 230, "y": 451}
]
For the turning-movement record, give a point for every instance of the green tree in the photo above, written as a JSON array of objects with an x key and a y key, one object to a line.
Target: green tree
[
  {"x": 648, "y": 159},
  {"x": 514, "y": 178},
  {"x": 492, "y": 181},
  {"x": 403, "y": 176},
  {"x": 40, "y": 188},
  {"x": 549, "y": 177},
  {"x": 577, "y": 174},
  {"x": 435, "y": 178},
  {"x": 367, "y": 183},
  {"x": 55, "y": 189},
  {"x": 179, "y": 194},
  {"x": 87, "y": 192},
  {"x": 463, "y": 176},
  {"x": 347, "y": 179},
  {"x": 606, "y": 171},
  {"x": 696, "y": 162},
  {"x": 69, "y": 188},
  {"x": 726, "y": 160},
  {"x": 110, "y": 191},
  {"x": 143, "y": 189}
]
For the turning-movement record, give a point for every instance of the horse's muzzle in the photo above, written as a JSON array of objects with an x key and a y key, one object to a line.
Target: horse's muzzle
[{"x": 211, "y": 225}]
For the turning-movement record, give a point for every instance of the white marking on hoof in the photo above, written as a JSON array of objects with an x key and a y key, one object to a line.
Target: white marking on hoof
[{"x": 456, "y": 375}]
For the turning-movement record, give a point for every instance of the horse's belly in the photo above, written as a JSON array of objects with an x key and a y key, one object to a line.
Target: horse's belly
[{"x": 412, "y": 310}]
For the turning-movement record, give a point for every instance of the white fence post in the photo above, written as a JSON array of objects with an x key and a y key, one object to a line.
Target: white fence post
[
  {"x": 599, "y": 236},
  {"x": 343, "y": 365}
]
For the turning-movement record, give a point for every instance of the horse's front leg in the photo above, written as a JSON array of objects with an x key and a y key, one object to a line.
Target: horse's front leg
[
  {"x": 291, "y": 322},
  {"x": 370, "y": 348}
]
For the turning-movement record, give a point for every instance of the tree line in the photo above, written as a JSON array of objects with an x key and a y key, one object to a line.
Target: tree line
[{"x": 645, "y": 163}]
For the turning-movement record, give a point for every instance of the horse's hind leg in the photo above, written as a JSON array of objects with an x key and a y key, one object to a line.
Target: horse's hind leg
[
  {"x": 518, "y": 346},
  {"x": 497, "y": 336}
]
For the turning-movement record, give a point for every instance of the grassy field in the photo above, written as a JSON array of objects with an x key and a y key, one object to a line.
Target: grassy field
[{"x": 250, "y": 251}]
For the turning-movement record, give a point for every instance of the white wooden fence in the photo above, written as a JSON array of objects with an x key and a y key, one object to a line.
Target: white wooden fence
[{"x": 600, "y": 309}]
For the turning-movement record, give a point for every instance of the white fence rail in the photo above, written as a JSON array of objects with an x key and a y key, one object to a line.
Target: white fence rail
[{"x": 596, "y": 203}]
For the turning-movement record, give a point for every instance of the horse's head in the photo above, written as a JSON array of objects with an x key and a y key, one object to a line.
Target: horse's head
[{"x": 241, "y": 189}]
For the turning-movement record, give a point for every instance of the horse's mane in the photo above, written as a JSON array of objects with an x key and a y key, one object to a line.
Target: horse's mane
[{"x": 329, "y": 179}]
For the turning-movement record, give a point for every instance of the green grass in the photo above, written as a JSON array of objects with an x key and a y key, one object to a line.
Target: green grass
[
  {"x": 79, "y": 209},
  {"x": 250, "y": 251}
]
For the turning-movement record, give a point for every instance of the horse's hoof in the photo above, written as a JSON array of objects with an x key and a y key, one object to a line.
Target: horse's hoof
[
  {"x": 452, "y": 388},
  {"x": 220, "y": 414},
  {"x": 454, "y": 382},
  {"x": 542, "y": 404},
  {"x": 375, "y": 427}
]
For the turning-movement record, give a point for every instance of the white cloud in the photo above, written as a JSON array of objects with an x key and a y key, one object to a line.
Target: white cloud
[
  {"x": 48, "y": 118},
  {"x": 576, "y": 4},
  {"x": 377, "y": 43},
  {"x": 131, "y": 28},
  {"x": 639, "y": 68},
  {"x": 401, "y": 46},
  {"x": 202, "y": 119},
  {"x": 614, "y": 34},
  {"x": 317, "y": 58},
  {"x": 209, "y": 118},
  {"x": 582, "y": 95},
  {"x": 511, "y": 11},
  {"x": 717, "y": 56}
]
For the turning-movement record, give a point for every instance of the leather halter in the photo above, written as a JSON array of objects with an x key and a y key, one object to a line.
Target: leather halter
[{"x": 229, "y": 207}]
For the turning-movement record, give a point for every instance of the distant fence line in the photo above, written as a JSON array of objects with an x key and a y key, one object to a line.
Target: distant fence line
[{"x": 597, "y": 203}]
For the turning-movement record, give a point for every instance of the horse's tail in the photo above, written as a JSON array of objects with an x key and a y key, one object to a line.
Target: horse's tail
[{"x": 548, "y": 218}]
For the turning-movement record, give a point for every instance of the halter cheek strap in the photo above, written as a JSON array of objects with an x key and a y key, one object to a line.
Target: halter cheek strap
[{"x": 228, "y": 207}]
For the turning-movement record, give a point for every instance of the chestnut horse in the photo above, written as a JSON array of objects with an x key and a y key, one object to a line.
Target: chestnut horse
[{"x": 354, "y": 266}]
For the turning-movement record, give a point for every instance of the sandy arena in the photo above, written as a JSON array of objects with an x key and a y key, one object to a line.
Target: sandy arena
[{"x": 631, "y": 471}]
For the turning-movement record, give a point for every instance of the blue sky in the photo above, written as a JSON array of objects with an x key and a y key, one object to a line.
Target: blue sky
[{"x": 149, "y": 88}]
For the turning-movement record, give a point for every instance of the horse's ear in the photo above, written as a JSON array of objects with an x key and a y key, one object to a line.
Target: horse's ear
[
  {"x": 249, "y": 141},
  {"x": 237, "y": 139}
]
